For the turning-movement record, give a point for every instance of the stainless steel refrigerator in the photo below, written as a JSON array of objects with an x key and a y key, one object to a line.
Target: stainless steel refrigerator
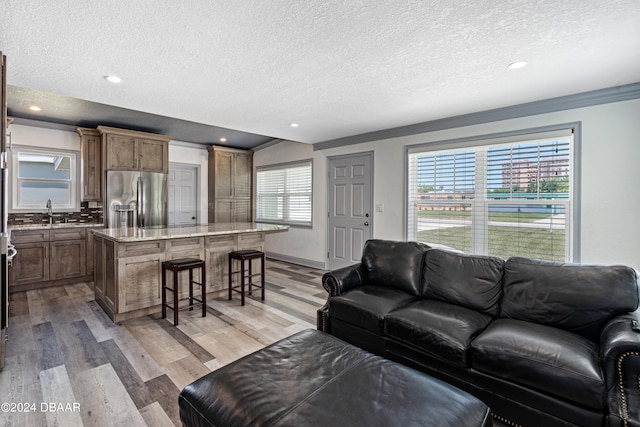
[{"x": 136, "y": 199}]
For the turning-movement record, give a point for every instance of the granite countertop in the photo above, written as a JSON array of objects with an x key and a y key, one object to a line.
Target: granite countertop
[
  {"x": 141, "y": 234},
  {"x": 71, "y": 224}
]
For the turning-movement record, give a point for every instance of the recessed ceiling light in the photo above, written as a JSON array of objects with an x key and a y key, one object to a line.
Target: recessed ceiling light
[
  {"x": 517, "y": 64},
  {"x": 223, "y": 139},
  {"x": 35, "y": 108},
  {"x": 294, "y": 125},
  {"x": 113, "y": 79}
]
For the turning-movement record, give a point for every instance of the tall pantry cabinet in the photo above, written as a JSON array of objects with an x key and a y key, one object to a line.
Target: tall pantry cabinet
[{"x": 230, "y": 177}]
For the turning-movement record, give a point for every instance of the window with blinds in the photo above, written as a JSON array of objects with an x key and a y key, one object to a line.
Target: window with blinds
[
  {"x": 500, "y": 199},
  {"x": 284, "y": 193}
]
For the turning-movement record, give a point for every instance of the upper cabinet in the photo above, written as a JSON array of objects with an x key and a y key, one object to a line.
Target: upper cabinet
[
  {"x": 107, "y": 148},
  {"x": 132, "y": 150},
  {"x": 230, "y": 177},
  {"x": 91, "y": 164}
]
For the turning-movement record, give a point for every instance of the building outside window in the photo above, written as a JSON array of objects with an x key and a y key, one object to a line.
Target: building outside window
[
  {"x": 39, "y": 175},
  {"x": 284, "y": 193},
  {"x": 502, "y": 199}
]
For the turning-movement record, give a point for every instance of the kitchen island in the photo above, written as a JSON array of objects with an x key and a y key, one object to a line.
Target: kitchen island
[{"x": 128, "y": 261}]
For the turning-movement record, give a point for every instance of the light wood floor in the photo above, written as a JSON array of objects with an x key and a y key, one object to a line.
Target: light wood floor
[{"x": 63, "y": 350}]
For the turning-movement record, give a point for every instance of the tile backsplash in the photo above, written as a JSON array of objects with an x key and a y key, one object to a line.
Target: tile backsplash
[{"x": 92, "y": 214}]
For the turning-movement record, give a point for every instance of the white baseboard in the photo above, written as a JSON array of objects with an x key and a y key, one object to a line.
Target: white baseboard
[{"x": 296, "y": 260}]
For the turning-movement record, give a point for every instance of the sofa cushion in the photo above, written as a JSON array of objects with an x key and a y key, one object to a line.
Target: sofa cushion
[
  {"x": 472, "y": 281},
  {"x": 440, "y": 329},
  {"x": 394, "y": 264},
  {"x": 576, "y": 298},
  {"x": 366, "y": 306},
  {"x": 548, "y": 359}
]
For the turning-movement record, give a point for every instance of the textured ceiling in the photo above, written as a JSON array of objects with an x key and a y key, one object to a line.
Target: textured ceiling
[{"x": 338, "y": 68}]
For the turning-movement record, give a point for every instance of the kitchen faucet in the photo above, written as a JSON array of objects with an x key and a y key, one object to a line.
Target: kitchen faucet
[{"x": 49, "y": 212}]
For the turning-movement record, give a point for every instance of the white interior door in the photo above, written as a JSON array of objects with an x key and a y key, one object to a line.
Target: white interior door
[
  {"x": 350, "y": 207},
  {"x": 183, "y": 194}
]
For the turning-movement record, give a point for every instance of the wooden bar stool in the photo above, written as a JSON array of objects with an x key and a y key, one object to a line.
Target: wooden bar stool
[
  {"x": 177, "y": 265},
  {"x": 246, "y": 274}
]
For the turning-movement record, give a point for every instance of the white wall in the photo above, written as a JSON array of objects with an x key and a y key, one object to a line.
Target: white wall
[
  {"x": 610, "y": 203},
  {"x": 42, "y": 137},
  {"x": 303, "y": 245}
]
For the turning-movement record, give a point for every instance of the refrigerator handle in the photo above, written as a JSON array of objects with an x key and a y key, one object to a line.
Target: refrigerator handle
[{"x": 139, "y": 203}]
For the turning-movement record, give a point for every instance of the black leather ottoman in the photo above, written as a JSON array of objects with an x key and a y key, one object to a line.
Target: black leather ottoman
[{"x": 315, "y": 379}]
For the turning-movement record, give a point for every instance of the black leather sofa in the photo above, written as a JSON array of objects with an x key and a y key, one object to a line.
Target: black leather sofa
[{"x": 542, "y": 343}]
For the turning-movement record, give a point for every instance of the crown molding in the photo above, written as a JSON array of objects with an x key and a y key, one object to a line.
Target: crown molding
[
  {"x": 268, "y": 144},
  {"x": 194, "y": 145},
  {"x": 568, "y": 102}
]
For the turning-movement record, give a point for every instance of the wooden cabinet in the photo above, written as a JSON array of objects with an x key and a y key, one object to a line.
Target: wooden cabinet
[
  {"x": 31, "y": 264},
  {"x": 153, "y": 155},
  {"x": 68, "y": 247},
  {"x": 89, "y": 257},
  {"x": 48, "y": 257},
  {"x": 216, "y": 259},
  {"x": 99, "y": 282},
  {"x": 139, "y": 282},
  {"x": 91, "y": 164},
  {"x": 132, "y": 150},
  {"x": 105, "y": 268},
  {"x": 121, "y": 152},
  {"x": 230, "y": 178},
  {"x": 107, "y": 148}
]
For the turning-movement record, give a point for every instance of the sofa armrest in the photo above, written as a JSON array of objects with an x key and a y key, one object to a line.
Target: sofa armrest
[
  {"x": 338, "y": 281},
  {"x": 620, "y": 352}
]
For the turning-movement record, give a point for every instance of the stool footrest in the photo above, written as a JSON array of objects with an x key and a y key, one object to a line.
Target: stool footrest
[
  {"x": 249, "y": 277},
  {"x": 238, "y": 288},
  {"x": 171, "y": 289},
  {"x": 199, "y": 303}
]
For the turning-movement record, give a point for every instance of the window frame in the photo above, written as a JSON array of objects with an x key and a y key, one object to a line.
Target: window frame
[
  {"x": 486, "y": 140},
  {"x": 278, "y": 167},
  {"x": 74, "y": 179}
]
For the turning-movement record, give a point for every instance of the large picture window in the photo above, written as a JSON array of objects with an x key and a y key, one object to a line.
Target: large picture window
[
  {"x": 284, "y": 193},
  {"x": 39, "y": 175},
  {"x": 500, "y": 199}
]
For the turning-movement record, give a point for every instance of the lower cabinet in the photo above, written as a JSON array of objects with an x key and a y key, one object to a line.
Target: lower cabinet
[
  {"x": 48, "y": 257},
  {"x": 32, "y": 264},
  {"x": 217, "y": 249},
  {"x": 104, "y": 271},
  {"x": 139, "y": 266},
  {"x": 68, "y": 255}
]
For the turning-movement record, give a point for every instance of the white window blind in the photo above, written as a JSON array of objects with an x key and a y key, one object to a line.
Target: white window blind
[
  {"x": 505, "y": 199},
  {"x": 284, "y": 193}
]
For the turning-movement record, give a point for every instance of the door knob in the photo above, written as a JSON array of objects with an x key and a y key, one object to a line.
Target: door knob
[
  {"x": 366, "y": 223},
  {"x": 193, "y": 217}
]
